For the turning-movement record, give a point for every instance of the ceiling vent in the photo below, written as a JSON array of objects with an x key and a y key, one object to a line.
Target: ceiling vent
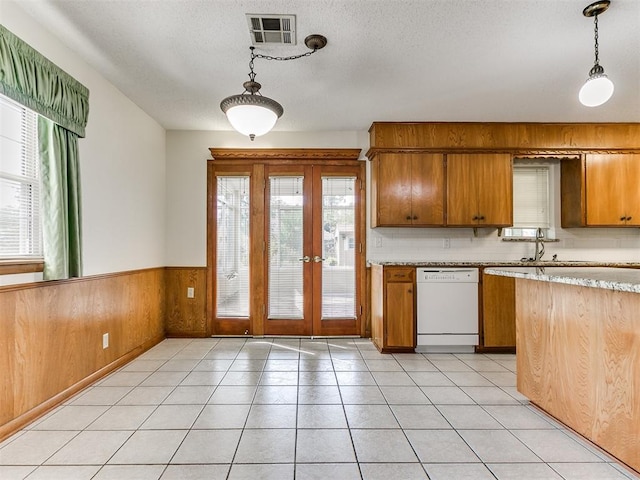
[{"x": 272, "y": 29}]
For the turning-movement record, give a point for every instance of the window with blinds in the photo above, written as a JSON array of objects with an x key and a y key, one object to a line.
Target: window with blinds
[
  {"x": 232, "y": 259},
  {"x": 20, "y": 228},
  {"x": 531, "y": 203}
]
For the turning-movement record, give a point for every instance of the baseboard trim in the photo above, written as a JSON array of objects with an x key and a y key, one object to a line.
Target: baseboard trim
[{"x": 26, "y": 418}]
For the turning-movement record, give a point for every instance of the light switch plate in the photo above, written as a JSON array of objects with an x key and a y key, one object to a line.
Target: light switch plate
[
  {"x": 105, "y": 341},
  {"x": 191, "y": 292}
]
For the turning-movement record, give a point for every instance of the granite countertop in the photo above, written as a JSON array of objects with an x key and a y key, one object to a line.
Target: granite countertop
[
  {"x": 618, "y": 279},
  {"x": 515, "y": 263}
]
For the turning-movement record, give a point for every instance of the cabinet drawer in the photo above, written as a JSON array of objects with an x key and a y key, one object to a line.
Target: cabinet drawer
[{"x": 399, "y": 274}]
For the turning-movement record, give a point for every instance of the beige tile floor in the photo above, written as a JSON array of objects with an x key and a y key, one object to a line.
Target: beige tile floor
[{"x": 301, "y": 409}]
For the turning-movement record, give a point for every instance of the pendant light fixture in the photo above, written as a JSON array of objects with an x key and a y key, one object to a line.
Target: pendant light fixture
[
  {"x": 598, "y": 88},
  {"x": 251, "y": 113}
]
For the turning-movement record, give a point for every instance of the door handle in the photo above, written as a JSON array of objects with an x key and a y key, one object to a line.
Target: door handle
[
  {"x": 305, "y": 259},
  {"x": 318, "y": 259}
]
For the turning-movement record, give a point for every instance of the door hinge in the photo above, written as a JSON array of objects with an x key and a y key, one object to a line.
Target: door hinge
[
  {"x": 360, "y": 310},
  {"x": 360, "y": 247},
  {"x": 361, "y": 185}
]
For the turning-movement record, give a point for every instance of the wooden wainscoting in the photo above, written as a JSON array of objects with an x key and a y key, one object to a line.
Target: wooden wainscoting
[
  {"x": 186, "y": 317},
  {"x": 51, "y": 337}
]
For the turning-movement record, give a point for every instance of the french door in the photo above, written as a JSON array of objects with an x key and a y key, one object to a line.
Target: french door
[
  {"x": 313, "y": 244},
  {"x": 286, "y": 246}
]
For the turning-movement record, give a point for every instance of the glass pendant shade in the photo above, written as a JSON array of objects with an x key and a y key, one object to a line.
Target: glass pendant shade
[
  {"x": 596, "y": 90},
  {"x": 250, "y": 115}
]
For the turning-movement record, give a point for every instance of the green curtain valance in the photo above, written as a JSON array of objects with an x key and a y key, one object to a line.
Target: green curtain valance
[{"x": 32, "y": 80}]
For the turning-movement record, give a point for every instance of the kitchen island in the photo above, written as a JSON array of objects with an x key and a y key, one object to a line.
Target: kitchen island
[{"x": 578, "y": 350}]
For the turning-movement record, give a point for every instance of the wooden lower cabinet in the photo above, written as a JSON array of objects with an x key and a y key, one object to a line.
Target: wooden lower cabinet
[
  {"x": 393, "y": 312},
  {"x": 498, "y": 313}
]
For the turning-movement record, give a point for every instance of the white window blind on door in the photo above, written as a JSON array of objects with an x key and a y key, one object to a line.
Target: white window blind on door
[
  {"x": 232, "y": 262},
  {"x": 286, "y": 248},
  {"x": 20, "y": 229},
  {"x": 531, "y": 197}
]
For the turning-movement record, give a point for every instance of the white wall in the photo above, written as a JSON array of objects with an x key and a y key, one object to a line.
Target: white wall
[
  {"x": 187, "y": 154},
  {"x": 122, "y": 163}
]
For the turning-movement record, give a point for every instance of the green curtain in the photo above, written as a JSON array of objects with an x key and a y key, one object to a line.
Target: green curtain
[
  {"x": 63, "y": 107},
  {"x": 60, "y": 199},
  {"x": 37, "y": 83}
]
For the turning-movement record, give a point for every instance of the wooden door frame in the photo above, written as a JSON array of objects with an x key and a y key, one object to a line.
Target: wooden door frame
[{"x": 255, "y": 160}]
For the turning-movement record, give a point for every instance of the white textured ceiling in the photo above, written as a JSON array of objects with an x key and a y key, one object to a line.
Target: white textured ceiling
[{"x": 386, "y": 60}]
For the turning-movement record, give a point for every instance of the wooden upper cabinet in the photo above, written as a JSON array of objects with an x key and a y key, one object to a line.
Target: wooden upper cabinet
[
  {"x": 601, "y": 191},
  {"x": 407, "y": 190},
  {"x": 479, "y": 190},
  {"x": 613, "y": 190}
]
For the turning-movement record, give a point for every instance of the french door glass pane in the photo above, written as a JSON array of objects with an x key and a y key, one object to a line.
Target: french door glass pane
[
  {"x": 286, "y": 242},
  {"x": 338, "y": 248},
  {"x": 232, "y": 278}
]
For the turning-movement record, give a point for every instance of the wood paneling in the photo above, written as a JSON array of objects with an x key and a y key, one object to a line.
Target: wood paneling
[
  {"x": 579, "y": 359},
  {"x": 51, "y": 336},
  {"x": 377, "y": 305},
  {"x": 498, "y": 311},
  {"x": 525, "y": 138},
  {"x": 185, "y": 317}
]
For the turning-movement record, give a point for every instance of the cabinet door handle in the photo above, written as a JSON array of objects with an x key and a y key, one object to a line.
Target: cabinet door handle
[
  {"x": 409, "y": 291},
  {"x": 408, "y": 217},
  {"x": 628, "y": 218},
  {"x": 481, "y": 217},
  {"x": 415, "y": 217},
  {"x": 475, "y": 217},
  {"x": 622, "y": 219}
]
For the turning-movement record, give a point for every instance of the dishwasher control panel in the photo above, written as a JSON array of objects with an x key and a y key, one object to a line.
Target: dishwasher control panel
[{"x": 426, "y": 275}]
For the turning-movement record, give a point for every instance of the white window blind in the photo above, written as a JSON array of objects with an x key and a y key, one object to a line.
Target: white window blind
[
  {"x": 286, "y": 248},
  {"x": 531, "y": 197},
  {"x": 232, "y": 262},
  {"x": 20, "y": 229}
]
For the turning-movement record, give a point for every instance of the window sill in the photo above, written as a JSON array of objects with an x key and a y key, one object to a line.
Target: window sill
[{"x": 13, "y": 266}]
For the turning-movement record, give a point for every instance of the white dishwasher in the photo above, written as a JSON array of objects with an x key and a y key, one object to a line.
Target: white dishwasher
[{"x": 447, "y": 310}]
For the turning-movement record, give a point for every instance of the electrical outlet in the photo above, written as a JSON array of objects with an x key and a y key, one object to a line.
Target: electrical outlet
[
  {"x": 191, "y": 292},
  {"x": 378, "y": 241},
  {"x": 105, "y": 341},
  {"x": 446, "y": 243}
]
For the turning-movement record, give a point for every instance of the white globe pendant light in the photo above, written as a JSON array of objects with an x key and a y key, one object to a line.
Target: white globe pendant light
[
  {"x": 598, "y": 88},
  {"x": 252, "y": 114}
]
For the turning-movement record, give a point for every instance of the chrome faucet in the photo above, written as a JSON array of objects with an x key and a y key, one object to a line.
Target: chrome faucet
[{"x": 539, "y": 253}]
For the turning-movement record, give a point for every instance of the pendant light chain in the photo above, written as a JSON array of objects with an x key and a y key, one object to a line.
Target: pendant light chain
[
  {"x": 252, "y": 74},
  {"x": 595, "y": 21},
  {"x": 292, "y": 57}
]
